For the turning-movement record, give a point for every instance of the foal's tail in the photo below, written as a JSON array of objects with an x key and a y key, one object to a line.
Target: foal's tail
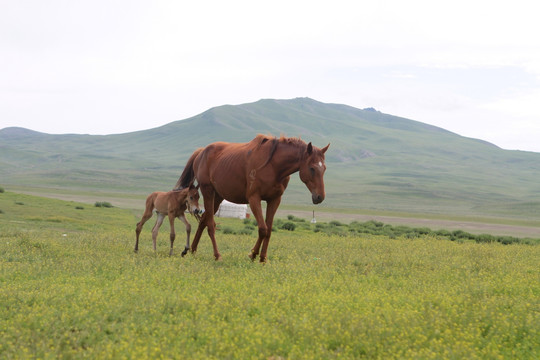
[
  {"x": 150, "y": 202},
  {"x": 188, "y": 175}
]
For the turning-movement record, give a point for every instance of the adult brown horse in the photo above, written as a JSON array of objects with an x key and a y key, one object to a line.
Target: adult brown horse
[
  {"x": 172, "y": 204},
  {"x": 247, "y": 173}
]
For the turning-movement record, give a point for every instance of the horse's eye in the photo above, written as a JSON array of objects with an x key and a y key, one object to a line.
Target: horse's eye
[
  {"x": 191, "y": 198},
  {"x": 312, "y": 170}
]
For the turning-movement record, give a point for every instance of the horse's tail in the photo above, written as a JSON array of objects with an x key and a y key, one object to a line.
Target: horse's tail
[{"x": 188, "y": 175}]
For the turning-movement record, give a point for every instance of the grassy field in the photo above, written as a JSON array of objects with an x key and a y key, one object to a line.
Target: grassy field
[{"x": 71, "y": 287}]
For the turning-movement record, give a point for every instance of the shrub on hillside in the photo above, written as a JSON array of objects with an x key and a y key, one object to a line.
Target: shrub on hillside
[
  {"x": 485, "y": 238},
  {"x": 104, "y": 204},
  {"x": 294, "y": 218},
  {"x": 507, "y": 240},
  {"x": 444, "y": 233},
  {"x": 228, "y": 230},
  {"x": 460, "y": 234},
  {"x": 246, "y": 231},
  {"x": 288, "y": 226}
]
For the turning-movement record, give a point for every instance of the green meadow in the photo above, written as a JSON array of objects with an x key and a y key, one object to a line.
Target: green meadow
[{"x": 71, "y": 287}]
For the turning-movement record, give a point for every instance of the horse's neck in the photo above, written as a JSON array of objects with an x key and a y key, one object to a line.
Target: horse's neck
[{"x": 288, "y": 159}]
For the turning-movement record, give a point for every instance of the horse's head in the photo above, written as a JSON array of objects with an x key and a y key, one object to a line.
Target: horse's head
[
  {"x": 312, "y": 170},
  {"x": 192, "y": 199}
]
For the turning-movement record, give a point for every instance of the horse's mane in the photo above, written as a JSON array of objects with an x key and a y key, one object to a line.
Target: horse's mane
[{"x": 261, "y": 139}]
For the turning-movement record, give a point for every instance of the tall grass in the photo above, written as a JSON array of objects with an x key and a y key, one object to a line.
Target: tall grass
[{"x": 74, "y": 288}]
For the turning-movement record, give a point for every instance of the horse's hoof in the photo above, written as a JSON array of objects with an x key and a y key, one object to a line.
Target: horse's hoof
[
  {"x": 264, "y": 261},
  {"x": 219, "y": 258},
  {"x": 184, "y": 252},
  {"x": 252, "y": 256}
]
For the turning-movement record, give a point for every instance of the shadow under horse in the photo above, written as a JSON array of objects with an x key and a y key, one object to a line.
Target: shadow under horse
[{"x": 248, "y": 173}]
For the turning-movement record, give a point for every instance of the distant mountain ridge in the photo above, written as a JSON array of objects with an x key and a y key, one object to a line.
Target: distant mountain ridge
[{"x": 375, "y": 160}]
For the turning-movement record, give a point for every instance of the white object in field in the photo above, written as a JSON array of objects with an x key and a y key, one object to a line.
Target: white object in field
[{"x": 232, "y": 210}]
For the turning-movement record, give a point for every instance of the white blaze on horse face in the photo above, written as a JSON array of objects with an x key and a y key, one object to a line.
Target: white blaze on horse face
[{"x": 320, "y": 164}]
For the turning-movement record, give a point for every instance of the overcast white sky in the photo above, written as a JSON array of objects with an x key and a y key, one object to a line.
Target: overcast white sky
[{"x": 102, "y": 67}]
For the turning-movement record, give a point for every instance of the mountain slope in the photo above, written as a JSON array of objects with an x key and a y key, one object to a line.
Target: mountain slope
[{"x": 375, "y": 160}]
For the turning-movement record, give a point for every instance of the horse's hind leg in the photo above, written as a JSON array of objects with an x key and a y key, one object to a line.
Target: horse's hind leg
[
  {"x": 198, "y": 234},
  {"x": 202, "y": 222},
  {"x": 156, "y": 227},
  {"x": 188, "y": 232},
  {"x": 147, "y": 215},
  {"x": 173, "y": 233},
  {"x": 211, "y": 225},
  {"x": 211, "y": 202}
]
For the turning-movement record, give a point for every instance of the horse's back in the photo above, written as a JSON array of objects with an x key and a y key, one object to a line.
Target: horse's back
[
  {"x": 225, "y": 165},
  {"x": 158, "y": 201}
]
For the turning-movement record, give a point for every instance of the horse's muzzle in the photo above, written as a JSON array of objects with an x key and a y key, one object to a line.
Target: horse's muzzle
[
  {"x": 316, "y": 198},
  {"x": 197, "y": 211}
]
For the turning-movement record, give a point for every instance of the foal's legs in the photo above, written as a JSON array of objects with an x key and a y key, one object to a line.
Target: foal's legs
[
  {"x": 188, "y": 231},
  {"x": 173, "y": 233},
  {"x": 156, "y": 227},
  {"x": 147, "y": 215}
]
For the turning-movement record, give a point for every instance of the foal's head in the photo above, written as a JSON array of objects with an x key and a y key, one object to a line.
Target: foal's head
[
  {"x": 192, "y": 199},
  {"x": 312, "y": 170}
]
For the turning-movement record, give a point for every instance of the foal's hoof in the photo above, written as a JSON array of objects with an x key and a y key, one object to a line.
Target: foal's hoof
[{"x": 184, "y": 252}]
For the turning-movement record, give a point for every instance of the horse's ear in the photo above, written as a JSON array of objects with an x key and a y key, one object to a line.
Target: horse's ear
[
  {"x": 309, "y": 149},
  {"x": 325, "y": 148}
]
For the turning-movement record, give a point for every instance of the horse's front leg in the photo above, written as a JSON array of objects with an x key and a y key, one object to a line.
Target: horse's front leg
[
  {"x": 271, "y": 208},
  {"x": 188, "y": 231},
  {"x": 255, "y": 205}
]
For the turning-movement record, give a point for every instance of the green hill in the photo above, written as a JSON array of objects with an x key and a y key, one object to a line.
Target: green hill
[{"x": 375, "y": 161}]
